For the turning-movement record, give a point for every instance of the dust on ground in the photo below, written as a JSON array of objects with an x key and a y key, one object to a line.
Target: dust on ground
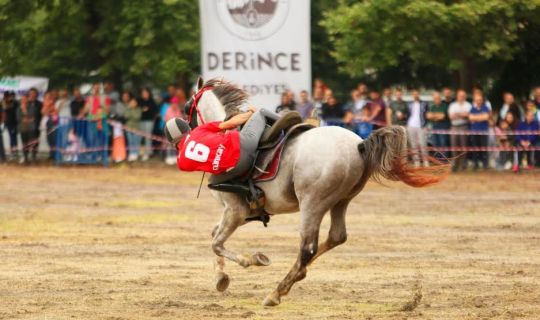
[{"x": 134, "y": 243}]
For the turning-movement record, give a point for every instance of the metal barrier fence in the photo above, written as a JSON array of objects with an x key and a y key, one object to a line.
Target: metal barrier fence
[{"x": 81, "y": 141}]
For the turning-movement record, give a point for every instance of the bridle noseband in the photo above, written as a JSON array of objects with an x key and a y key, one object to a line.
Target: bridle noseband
[{"x": 190, "y": 109}]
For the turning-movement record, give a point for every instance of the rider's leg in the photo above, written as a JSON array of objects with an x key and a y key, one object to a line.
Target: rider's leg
[
  {"x": 249, "y": 141},
  {"x": 272, "y": 116}
]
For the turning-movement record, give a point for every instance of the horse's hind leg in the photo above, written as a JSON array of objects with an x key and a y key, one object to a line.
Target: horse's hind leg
[
  {"x": 309, "y": 232},
  {"x": 338, "y": 230}
]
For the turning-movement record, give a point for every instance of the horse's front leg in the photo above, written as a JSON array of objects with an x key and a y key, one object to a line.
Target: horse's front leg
[{"x": 233, "y": 217}]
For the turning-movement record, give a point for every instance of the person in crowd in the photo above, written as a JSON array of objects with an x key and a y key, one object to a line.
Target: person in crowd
[
  {"x": 96, "y": 101},
  {"x": 34, "y": 107},
  {"x": 448, "y": 95},
  {"x": 76, "y": 105},
  {"x": 77, "y": 109},
  {"x": 478, "y": 90},
  {"x": 62, "y": 105},
  {"x": 149, "y": 114},
  {"x": 509, "y": 105},
  {"x": 172, "y": 112},
  {"x": 387, "y": 96},
  {"x": 458, "y": 112},
  {"x": 437, "y": 117},
  {"x": 398, "y": 112},
  {"x": 530, "y": 106},
  {"x": 319, "y": 84},
  {"x": 26, "y": 125},
  {"x": 511, "y": 120},
  {"x": 328, "y": 93},
  {"x": 363, "y": 98},
  {"x": 170, "y": 92},
  {"x": 318, "y": 98},
  {"x": 536, "y": 94},
  {"x": 363, "y": 90},
  {"x": 180, "y": 94},
  {"x": 479, "y": 116},
  {"x": 333, "y": 112},
  {"x": 357, "y": 115},
  {"x": 377, "y": 110},
  {"x": 292, "y": 99},
  {"x": 286, "y": 104},
  {"x": 157, "y": 145},
  {"x": 110, "y": 92},
  {"x": 364, "y": 127},
  {"x": 50, "y": 113},
  {"x": 163, "y": 108},
  {"x": 2, "y": 149},
  {"x": 305, "y": 107},
  {"x": 505, "y": 140},
  {"x": 318, "y": 101},
  {"x": 97, "y": 107},
  {"x": 117, "y": 110},
  {"x": 415, "y": 128},
  {"x": 527, "y": 140},
  {"x": 10, "y": 107},
  {"x": 133, "y": 116}
]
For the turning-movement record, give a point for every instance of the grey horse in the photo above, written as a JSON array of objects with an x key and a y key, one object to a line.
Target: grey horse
[{"x": 321, "y": 171}]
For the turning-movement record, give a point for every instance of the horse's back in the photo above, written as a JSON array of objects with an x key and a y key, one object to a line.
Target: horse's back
[{"x": 318, "y": 162}]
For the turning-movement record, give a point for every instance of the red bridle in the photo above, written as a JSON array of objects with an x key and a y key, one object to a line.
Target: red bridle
[{"x": 195, "y": 103}]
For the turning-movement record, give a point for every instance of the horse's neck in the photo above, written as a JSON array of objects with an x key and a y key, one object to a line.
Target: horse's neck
[{"x": 210, "y": 108}]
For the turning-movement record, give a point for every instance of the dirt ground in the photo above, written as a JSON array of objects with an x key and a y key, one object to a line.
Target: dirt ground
[{"x": 134, "y": 243}]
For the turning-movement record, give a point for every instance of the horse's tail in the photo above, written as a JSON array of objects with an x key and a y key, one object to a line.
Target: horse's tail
[{"x": 385, "y": 155}]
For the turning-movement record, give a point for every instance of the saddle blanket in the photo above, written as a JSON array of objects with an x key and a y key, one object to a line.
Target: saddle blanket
[{"x": 269, "y": 159}]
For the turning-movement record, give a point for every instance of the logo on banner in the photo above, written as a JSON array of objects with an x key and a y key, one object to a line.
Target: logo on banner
[{"x": 252, "y": 19}]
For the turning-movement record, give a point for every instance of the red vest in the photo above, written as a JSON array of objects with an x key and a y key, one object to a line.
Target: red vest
[{"x": 208, "y": 148}]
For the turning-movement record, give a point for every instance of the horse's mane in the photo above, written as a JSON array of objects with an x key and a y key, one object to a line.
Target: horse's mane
[{"x": 230, "y": 96}]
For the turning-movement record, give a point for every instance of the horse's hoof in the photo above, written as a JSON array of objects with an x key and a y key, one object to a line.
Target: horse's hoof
[
  {"x": 259, "y": 259},
  {"x": 222, "y": 281},
  {"x": 271, "y": 300}
]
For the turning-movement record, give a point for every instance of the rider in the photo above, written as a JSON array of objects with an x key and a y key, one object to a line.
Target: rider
[{"x": 217, "y": 148}]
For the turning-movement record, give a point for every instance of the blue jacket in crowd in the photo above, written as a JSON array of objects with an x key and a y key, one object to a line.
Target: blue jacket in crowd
[
  {"x": 480, "y": 125},
  {"x": 525, "y": 126}
]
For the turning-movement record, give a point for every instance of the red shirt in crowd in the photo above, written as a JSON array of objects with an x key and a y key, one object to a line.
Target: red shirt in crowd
[
  {"x": 208, "y": 148},
  {"x": 96, "y": 102}
]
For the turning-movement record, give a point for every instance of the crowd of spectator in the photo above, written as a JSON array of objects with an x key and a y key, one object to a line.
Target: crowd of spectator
[
  {"x": 127, "y": 126},
  {"x": 103, "y": 117},
  {"x": 452, "y": 125}
]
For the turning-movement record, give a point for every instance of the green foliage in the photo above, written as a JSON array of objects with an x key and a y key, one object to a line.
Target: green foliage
[
  {"x": 71, "y": 40},
  {"x": 370, "y": 37}
]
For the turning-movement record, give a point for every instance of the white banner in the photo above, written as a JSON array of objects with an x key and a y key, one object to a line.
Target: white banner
[
  {"x": 261, "y": 45},
  {"x": 21, "y": 84}
]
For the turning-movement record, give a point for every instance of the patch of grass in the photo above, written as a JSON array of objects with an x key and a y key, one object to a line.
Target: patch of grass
[
  {"x": 140, "y": 204},
  {"x": 142, "y": 218},
  {"x": 33, "y": 225}
]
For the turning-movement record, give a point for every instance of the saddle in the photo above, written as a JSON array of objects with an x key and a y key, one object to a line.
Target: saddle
[{"x": 266, "y": 165}]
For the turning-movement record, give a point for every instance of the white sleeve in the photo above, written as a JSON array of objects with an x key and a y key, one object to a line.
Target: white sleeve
[{"x": 452, "y": 108}]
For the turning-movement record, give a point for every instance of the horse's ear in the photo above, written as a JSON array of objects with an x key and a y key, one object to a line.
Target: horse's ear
[{"x": 200, "y": 83}]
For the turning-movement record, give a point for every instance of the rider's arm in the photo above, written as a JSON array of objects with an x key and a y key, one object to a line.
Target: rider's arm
[{"x": 236, "y": 121}]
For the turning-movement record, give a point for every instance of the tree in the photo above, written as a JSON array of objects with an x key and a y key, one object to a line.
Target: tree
[
  {"x": 370, "y": 37},
  {"x": 70, "y": 41}
]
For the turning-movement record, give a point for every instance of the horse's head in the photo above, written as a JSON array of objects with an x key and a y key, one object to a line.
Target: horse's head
[{"x": 214, "y": 100}]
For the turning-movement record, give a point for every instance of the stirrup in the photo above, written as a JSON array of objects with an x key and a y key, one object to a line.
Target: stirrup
[
  {"x": 256, "y": 202},
  {"x": 240, "y": 189}
]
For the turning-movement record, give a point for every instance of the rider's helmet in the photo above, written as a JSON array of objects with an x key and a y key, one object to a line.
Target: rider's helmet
[{"x": 175, "y": 129}]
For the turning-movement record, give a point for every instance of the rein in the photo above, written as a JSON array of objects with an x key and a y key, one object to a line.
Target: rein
[{"x": 194, "y": 107}]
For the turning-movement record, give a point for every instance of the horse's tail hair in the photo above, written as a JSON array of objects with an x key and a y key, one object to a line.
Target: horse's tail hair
[{"x": 386, "y": 155}]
